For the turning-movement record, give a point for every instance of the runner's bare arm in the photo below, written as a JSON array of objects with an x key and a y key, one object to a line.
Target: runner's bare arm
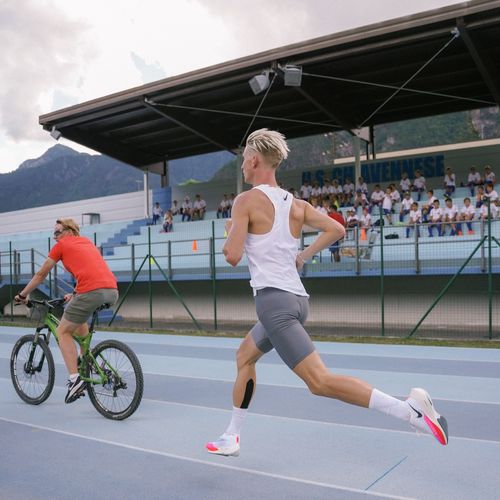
[
  {"x": 331, "y": 231},
  {"x": 235, "y": 243}
]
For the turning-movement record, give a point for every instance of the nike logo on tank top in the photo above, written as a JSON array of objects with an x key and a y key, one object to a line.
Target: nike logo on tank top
[{"x": 271, "y": 256}]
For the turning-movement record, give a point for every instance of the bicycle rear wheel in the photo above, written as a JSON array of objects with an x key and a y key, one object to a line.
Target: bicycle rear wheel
[
  {"x": 120, "y": 394},
  {"x": 32, "y": 369}
]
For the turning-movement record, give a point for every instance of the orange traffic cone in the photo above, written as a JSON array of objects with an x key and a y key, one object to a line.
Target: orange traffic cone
[
  {"x": 195, "y": 246},
  {"x": 363, "y": 234}
]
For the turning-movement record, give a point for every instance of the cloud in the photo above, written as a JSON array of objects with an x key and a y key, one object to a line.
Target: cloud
[
  {"x": 40, "y": 48},
  {"x": 263, "y": 24}
]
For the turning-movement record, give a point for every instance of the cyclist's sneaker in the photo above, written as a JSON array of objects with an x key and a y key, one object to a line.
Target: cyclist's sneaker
[
  {"x": 227, "y": 445},
  {"x": 75, "y": 390},
  {"x": 424, "y": 417}
]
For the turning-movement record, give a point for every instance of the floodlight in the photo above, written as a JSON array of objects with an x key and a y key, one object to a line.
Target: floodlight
[
  {"x": 292, "y": 75},
  {"x": 56, "y": 134},
  {"x": 259, "y": 83}
]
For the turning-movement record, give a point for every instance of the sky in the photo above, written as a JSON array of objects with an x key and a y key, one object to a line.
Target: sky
[{"x": 57, "y": 53}]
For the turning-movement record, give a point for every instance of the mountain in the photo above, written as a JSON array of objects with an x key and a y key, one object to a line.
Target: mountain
[
  {"x": 62, "y": 174},
  {"x": 54, "y": 153}
]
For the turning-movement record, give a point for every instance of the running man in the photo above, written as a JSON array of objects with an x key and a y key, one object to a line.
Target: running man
[
  {"x": 266, "y": 224},
  {"x": 95, "y": 286}
]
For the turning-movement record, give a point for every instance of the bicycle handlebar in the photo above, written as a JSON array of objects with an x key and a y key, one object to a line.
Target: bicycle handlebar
[{"x": 48, "y": 303}]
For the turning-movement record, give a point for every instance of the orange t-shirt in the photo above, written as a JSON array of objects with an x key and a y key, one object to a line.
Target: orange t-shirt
[{"x": 83, "y": 260}]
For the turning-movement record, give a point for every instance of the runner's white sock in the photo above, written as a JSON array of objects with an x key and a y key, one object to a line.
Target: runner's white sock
[
  {"x": 237, "y": 419},
  {"x": 73, "y": 377},
  {"x": 389, "y": 405}
]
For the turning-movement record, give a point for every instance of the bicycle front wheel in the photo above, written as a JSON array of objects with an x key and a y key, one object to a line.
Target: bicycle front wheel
[
  {"x": 120, "y": 393},
  {"x": 32, "y": 369}
]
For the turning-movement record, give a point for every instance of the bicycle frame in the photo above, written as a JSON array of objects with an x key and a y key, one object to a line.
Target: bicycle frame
[{"x": 51, "y": 322}]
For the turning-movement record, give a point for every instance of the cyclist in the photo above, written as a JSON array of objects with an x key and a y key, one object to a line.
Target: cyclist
[
  {"x": 95, "y": 285},
  {"x": 266, "y": 225}
]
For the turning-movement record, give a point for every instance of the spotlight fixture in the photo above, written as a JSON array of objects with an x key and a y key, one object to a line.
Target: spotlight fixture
[
  {"x": 56, "y": 134},
  {"x": 292, "y": 75},
  {"x": 259, "y": 83}
]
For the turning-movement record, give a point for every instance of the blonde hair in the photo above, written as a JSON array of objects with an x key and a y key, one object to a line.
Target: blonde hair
[
  {"x": 69, "y": 225},
  {"x": 270, "y": 144}
]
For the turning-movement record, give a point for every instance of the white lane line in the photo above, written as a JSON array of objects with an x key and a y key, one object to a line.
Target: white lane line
[{"x": 206, "y": 462}]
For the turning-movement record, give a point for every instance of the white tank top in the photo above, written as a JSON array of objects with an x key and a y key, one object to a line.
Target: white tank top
[{"x": 271, "y": 256}]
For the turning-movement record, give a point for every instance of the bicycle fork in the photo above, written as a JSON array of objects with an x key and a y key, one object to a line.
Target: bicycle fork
[{"x": 28, "y": 366}]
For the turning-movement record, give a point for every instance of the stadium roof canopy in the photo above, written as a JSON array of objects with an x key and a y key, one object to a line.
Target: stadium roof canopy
[{"x": 431, "y": 63}]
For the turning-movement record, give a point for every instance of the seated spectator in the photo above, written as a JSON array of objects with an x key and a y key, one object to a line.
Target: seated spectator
[
  {"x": 414, "y": 220},
  {"x": 175, "y": 209},
  {"x": 436, "y": 219},
  {"x": 450, "y": 213},
  {"x": 186, "y": 209},
  {"x": 365, "y": 221},
  {"x": 405, "y": 183},
  {"x": 334, "y": 201},
  {"x": 467, "y": 215},
  {"x": 376, "y": 198},
  {"x": 491, "y": 193},
  {"x": 168, "y": 221},
  {"x": 360, "y": 199},
  {"x": 316, "y": 191},
  {"x": 352, "y": 220},
  {"x": 199, "y": 208},
  {"x": 395, "y": 196},
  {"x": 348, "y": 189},
  {"x": 479, "y": 196},
  {"x": 325, "y": 206},
  {"x": 425, "y": 215},
  {"x": 489, "y": 175},
  {"x": 429, "y": 202},
  {"x": 326, "y": 190},
  {"x": 305, "y": 191},
  {"x": 336, "y": 188},
  {"x": 335, "y": 247},
  {"x": 419, "y": 184},
  {"x": 449, "y": 182},
  {"x": 387, "y": 205},
  {"x": 294, "y": 193},
  {"x": 406, "y": 205},
  {"x": 157, "y": 213},
  {"x": 315, "y": 204},
  {"x": 361, "y": 184},
  {"x": 483, "y": 213},
  {"x": 223, "y": 208},
  {"x": 473, "y": 180}
]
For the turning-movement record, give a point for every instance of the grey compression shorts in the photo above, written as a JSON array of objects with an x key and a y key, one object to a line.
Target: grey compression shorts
[
  {"x": 281, "y": 316},
  {"x": 82, "y": 305}
]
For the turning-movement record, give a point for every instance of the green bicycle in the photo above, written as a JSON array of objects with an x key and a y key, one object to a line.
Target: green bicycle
[{"x": 112, "y": 371}]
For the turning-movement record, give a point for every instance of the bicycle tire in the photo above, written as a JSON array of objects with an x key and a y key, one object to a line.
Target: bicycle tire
[
  {"x": 37, "y": 384},
  {"x": 107, "y": 397}
]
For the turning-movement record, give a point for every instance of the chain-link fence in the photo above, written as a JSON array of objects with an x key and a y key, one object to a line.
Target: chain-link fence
[{"x": 388, "y": 280}]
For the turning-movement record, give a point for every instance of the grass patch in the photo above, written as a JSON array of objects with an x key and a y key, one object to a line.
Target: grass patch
[{"x": 387, "y": 340}]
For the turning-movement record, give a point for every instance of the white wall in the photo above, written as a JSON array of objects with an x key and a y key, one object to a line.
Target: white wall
[{"x": 126, "y": 206}]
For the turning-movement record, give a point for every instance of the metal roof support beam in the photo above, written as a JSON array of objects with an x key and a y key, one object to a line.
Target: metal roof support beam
[
  {"x": 153, "y": 106},
  {"x": 485, "y": 66},
  {"x": 306, "y": 95}
]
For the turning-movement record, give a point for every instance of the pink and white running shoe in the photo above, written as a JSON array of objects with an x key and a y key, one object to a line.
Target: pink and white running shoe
[
  {"x": 227, "y": 445},
  {"x": 424, "y": 417}
]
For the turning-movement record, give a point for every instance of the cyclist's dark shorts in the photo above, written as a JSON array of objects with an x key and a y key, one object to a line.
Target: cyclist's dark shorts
[
  {"x": 281, "y": 316},
  {"x": 82, "y": 305}
]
